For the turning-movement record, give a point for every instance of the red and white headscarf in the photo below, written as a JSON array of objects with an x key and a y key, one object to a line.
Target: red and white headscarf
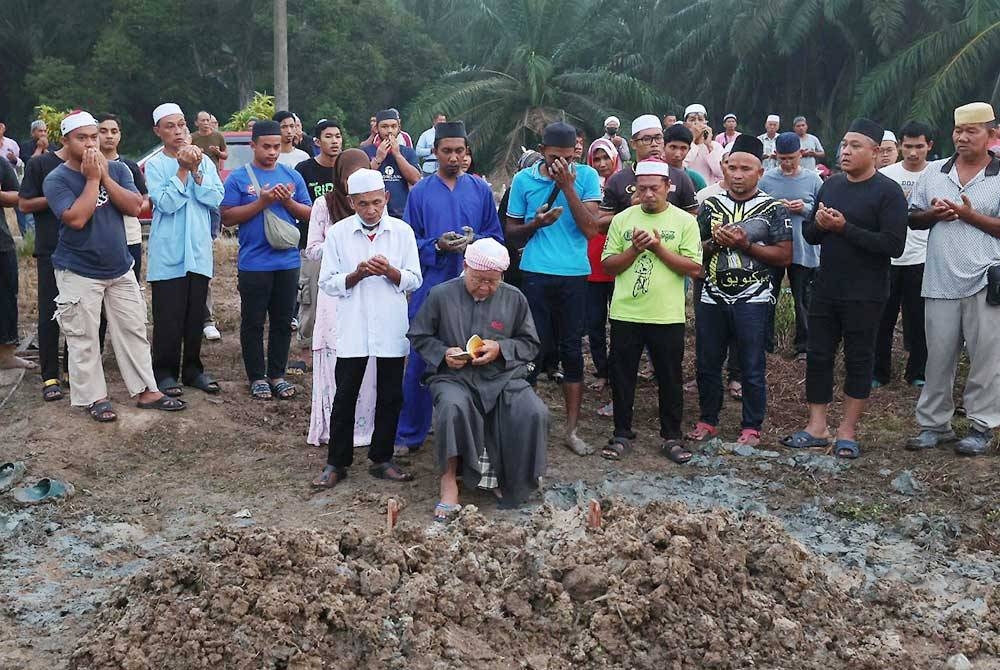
[{"x": 487, "y": 254}]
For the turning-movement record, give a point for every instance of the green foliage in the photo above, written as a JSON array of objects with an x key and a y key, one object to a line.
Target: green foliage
[
  {"x": 261, "y": 106},
  {"x": 52, "y": 118}
]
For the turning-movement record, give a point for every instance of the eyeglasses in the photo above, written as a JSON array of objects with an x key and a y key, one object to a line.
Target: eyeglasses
[
  {"x": 484, "y": 281},
  {"x": 650, "y": 139}
]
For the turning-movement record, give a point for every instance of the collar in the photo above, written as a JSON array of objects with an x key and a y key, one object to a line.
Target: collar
[
  {"x": 357, "y": 225},
  {"x": 992, "y": 168}
]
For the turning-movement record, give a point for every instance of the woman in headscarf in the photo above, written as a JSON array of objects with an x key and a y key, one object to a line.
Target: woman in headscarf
[
  {"x": 603, "y": 156},
  {"x": 326, "y": 212}
]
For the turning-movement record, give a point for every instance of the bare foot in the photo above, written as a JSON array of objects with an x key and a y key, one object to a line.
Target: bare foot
[
  {"x": 17, "y": 363},
  {"x": 149, "y": 396}
]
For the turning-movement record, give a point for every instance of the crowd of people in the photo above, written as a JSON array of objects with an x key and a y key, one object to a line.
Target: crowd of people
[{"x": 418, "y": 304}]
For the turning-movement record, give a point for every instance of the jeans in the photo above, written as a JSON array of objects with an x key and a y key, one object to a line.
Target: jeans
[
  {"x": 665, "y": 343},
  {"x": 558, "y": 307},
  {"x": 178, "y": 315},
  {"x": 388, "y": 401},
  {"x": 831, "y": 321},
  {"x": 715, "y": 325},
  {"x": 904, "y": 292},
  {"x": 266, "y": 295},
  {"x": 598, "y": 300},
  {"x": 801, "y": 280},
  {"x": 733, "y": 372}
]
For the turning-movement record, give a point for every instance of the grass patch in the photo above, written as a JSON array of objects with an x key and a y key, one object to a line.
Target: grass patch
[{"x": 26, "y": 247}]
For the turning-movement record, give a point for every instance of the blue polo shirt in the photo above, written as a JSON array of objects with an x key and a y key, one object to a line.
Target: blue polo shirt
[
  {"x": 559, "y": 249},
  {"x": 255, "y": 253},
  {"x": 395, "y": 182}
]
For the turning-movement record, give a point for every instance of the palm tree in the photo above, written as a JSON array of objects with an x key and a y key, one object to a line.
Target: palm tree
[
  {"x": 942, "y": 68},
  {"x": 537, "y": 66}
]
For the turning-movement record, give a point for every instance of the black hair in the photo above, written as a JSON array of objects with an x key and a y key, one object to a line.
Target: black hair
[
  {"x": 281, "y": 115},
  {"x": 678, "y": 133},
  {"x": 916, "y": 129},
  {"x": 323, "y": 124},
  {"x": 106, "y": 116},
  {"x": 438, "y": 139},
  {"x": 580, "y": 133}
]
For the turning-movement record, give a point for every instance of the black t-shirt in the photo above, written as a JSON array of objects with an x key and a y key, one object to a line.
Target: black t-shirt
[
  {"x": 46, "y": 223},
  {"x": 137, "y": 176},
  {"x": 319, "y": 182},
  {"x": 8, "y": 182},
  {"x": 618, "y": 190},
  {"x": 854, "y": 264}
]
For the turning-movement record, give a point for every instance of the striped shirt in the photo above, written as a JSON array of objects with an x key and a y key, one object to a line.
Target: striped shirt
[{"x": 958, "y": 253}]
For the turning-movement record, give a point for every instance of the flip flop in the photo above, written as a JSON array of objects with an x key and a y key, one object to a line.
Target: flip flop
[
  {"x": 445, "y": 512},
  {"x": 804, "y": 440},
  {"x": 617, "y": 449},
  {"x": 330, "y": 477},
  {"x": 205, "y": 383},
  {"x": 46, "y": 490},
  {"x": 170, "y": 387},
  {"x": 676, "y": 451},
  {"x": 164, "y": 403},
  {"x": 11, "y": 474},
  {"x": 702, "y": 431},
  {"x": 390, "y": 471},
  {"x": 51, "y": 390},
  {"x": 850, "y": 447}
]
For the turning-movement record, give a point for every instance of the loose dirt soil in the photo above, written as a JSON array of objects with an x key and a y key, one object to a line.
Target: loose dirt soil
[{"x": 195, "y": 541}]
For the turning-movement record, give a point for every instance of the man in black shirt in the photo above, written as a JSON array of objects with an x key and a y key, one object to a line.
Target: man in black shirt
[
  {"x": 110, "y": 137},
  {"x": 32, "y": 200},
  {"x": 8, "y": 276},
  {"x": 318, "y": 175},
  {"x": 860, "y": 223}
]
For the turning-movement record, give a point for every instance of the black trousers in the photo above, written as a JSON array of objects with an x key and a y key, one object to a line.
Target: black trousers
[
  {"x": 904, "y": 292},
  {"x": 8, "y": 296},
  {"x": 178, "y": 317},
  {"x": 48, "y": 329},
  {"x": 136, "y": 251},
  {"x": 855, "y": 322},
  {"x": 266, "y": 295},
  {"x": 665, "y": 343},
  {"x": 801, "y": 280},
  {"x": 388, "y": 402},
  {"x": 598, "y": 301}
]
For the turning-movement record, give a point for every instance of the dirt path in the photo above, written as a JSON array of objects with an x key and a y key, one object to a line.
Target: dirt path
[{"x": 152, "y": 485}]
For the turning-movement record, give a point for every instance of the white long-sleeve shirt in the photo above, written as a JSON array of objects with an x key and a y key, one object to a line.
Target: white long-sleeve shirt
[
  {"x": 373, "y": 313},
  {"x": 425, "y": 148}
]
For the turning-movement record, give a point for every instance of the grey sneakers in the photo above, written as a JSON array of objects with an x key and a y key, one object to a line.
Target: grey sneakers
[
  {"x": 928, "y": 439},
  {"x": 974, "y": 444}
]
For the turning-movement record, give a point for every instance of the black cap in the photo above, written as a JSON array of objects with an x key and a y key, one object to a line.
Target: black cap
[
  {"x": 386, "y": 115},
  {"x": 450, "y": 129},
  {"x": 678, "y": 132},
  {"x": 559, "y": 134},
  {"x": 748, "y": 144},
  {"x": 264, "y": 128},
  {"x": 323, "y": 124},
  {"x": 868, "y": 128}
]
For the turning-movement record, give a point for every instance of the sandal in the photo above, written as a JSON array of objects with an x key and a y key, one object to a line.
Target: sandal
[
  {"x": 606, "y": 410},
  {"x": 205, "y": 383},
  {"x": 749, "y": 436},
  {"x": 170, "y": 386},
  {"x": 51, "y": 390},
  {"x": 11, "y": 474},
  {"x": 260, "y": 390},
  {"x": 390, "y": 471},
  {"x": 101, "y": 411},
  {"x": 736, "y": 390},
  {"x": 164, "y": 403},
  {"x": 285, "y": 390},
  {"x": 676, "y": 451},
  {"x": 445, "y": 512},
  {"x": 297, "y": 368},
  {"x": 330, "y": 477},
  {"x": 702, "y": 431},
  {"x": 848, "y": 449},
  {"x": 617, "y": 448},
  {"x": 804, "y": 440}
]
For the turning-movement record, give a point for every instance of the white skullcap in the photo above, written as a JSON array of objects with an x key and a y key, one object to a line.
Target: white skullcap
[
  {"x": 645, "y": 122},
  {"x": 730, "y": 116},
  {"x": 773, "y": 118},
  {"x": 889, "y": 136},
  {"x": 74, "y": 120},
  {"x": 612, "y": 120},
  {"x": 487, "y": 254},
  {"x": 365, "y": 180},
  {"x": 652, "y": 166},
  {"x": 166, "y": 109},
  {"x": 695, "y": 109}
]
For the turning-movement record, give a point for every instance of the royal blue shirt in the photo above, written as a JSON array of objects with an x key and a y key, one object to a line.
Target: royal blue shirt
[
  {"x": 255, "y": 253},
  {"x": 432, "y": 210},
  {"x": 558, "y": 249}
]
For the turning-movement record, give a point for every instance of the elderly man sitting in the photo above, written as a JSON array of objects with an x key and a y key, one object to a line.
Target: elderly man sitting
[{"x": 485, "y": 412}]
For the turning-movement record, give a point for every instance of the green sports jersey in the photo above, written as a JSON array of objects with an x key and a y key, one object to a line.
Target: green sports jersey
[{"x": 648, "y": 291}]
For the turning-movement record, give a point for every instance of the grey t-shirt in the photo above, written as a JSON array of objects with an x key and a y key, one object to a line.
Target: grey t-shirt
[
  {"x": 958, "y": 253},
  {"x": 98, "y": 250}
]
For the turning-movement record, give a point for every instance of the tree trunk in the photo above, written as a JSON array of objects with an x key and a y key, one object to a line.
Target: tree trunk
[{"x": 281, "y": 54}]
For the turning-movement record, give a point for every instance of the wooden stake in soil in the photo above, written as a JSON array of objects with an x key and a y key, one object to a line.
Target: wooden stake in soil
[
  {"x": 594, "y": 514},
  {"x": 391, "y": 514}
]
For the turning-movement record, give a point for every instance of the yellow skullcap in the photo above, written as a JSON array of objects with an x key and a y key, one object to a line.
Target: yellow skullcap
[{"x": 974, "y": 112}]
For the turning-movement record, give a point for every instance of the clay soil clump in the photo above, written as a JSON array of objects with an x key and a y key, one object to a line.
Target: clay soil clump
[{"x": 655, "y": 587}]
